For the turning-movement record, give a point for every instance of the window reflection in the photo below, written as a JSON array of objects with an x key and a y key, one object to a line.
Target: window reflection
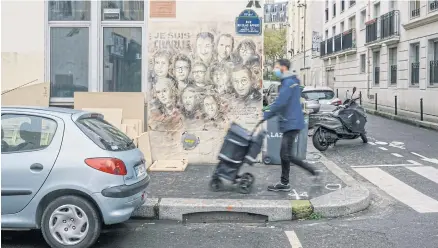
[
  {"x": 128, "y": 10},
  {"x": 122, "y": 59},
  {"x": 69, "y": 10},
  {"x": 68, "y": 61}
]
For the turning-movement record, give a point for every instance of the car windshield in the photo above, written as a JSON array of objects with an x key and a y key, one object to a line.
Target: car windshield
[
  {"x": 318, "y": 95},
  {"x": 105, "y": 135}
]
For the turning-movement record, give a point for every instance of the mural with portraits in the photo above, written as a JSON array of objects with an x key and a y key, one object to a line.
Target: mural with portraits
[{"x": 202, "y": 78}]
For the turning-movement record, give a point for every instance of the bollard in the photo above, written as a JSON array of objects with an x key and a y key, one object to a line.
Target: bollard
[
  {"x": 395, "y": 105},
  {"x": 421, "y": 109},
  {"x": 337, "y": 93},
  {"x": 360, "y": 97},
  {"x": 375, "y": 102}
]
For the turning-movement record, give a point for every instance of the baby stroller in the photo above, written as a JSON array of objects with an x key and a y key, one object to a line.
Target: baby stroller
[{"x": 240, "y": 146}]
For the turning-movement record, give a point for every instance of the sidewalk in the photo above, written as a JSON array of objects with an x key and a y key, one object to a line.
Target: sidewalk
[{"x": 172, "y": 195}]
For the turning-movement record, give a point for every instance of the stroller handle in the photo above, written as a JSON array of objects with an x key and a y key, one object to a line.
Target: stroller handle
[{"x": 256, "y": 126}]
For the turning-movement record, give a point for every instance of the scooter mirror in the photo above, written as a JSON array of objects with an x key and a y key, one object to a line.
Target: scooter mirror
[{"x": 354, "y": 90}]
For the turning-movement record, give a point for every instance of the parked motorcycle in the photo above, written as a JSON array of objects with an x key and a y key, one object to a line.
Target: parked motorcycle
[{"x": 347, "y": 121}]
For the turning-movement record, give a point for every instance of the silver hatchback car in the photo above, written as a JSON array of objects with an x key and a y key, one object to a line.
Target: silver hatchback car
[{"x": 67, "y": 172}]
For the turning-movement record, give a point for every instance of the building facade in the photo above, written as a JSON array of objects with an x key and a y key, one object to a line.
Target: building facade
[
  {"x": 304, "y": 32},
  {"x": 275, "y": 15},
  {"x": 387, "y": 49},
  {"x": 198, "y": 69}
]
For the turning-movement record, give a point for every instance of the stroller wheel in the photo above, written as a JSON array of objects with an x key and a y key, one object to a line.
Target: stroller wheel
[
  {"x": 216, "y": 184},
  {"x": 245, "y": 183}
]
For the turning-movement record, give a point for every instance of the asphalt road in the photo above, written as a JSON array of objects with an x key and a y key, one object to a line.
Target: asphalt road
[{"x": 403, "y": 213}]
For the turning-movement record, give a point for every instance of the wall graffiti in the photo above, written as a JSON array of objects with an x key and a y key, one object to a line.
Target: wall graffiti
[{"x": 202, "y": 80}]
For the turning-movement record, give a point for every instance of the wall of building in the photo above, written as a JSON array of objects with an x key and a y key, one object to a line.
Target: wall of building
[
  {"x": 204, "y": 103},
  {"x": 347, "y": 72},
  {"x": 22, "y": 45}
]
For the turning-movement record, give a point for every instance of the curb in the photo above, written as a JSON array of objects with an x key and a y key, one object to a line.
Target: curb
[
  {"x": 176, "y": 208},
  {"x": 412, "y": 121}
]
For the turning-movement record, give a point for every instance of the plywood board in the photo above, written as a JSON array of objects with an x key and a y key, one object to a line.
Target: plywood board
[
  {"x": 123, "y": 128},
  {"x": 145, "y": 147},
  {"x": 132, "y": 103},
  {"x": 162, "y": 9},
  {"x": 111, "y": 115},
  {"x": 133, "y": 127},
  {"x": 32, "y": 95},
  {"x": 169, "y": 165}
]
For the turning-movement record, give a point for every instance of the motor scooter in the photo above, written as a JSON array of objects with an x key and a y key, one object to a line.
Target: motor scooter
[{"x": 347, "y": 121}]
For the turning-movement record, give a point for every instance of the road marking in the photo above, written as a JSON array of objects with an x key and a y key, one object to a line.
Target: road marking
[
  {"x": 411, "y": 163},
  {"x": 381, "y": 143},
  {"x": 428, "y": 172},
  {"x": 371, "y": 143},
  {"x": 431, "y": 160},
  {"x": 293, "y": 239},
  {"x": 383, "y": 148},
  {"x": 399, "y": 190},
  {"x": 397, "y": 144},
  {"x": 397, "y": 155}
]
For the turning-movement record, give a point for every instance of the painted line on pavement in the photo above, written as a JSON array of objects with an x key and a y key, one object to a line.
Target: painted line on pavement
[
  {"x": 381, "y": 143},
  {"x": 371, "y": 143},
  {"x": 383, "y": 148},
  {"x": 293, "y": 239},
  {"x": 385, "y": 165},
  {"x": 399, "y": 190},
  {"x": 428, "y": 172},
  {"x": 397, "y": 155},
  {"x": 413, "y": 162},
  {"x": 421, "y": 156}
]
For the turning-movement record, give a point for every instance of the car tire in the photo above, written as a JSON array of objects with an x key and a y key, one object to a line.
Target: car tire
[
  {"x": 364, "y": 138},
  {"x": 81, "y": 210}
]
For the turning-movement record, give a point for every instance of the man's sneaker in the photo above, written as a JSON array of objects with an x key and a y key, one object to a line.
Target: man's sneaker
[{"x": 279, "y": 187}]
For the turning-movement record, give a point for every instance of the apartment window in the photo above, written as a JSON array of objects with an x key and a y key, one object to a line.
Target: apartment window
[
  {"x": 281, "y": 17},
  {"x": 414, "y": 6},
  {"x": 267, "y": 7},
  {"x": 362, "y": 63},
  {"x": 352, "y": 2},
  {"x": 352, "y": 22},
  {"x": 376, "y": 67},
  {"x": 392, "y": 53},
  {"x": 342, "y": 5},
  {"x": 363, "y": 17},
  {"x": 122, "y": 10},
  {"x": 326, "y": 34},
  {"x": 392, "y": 5},
  {"x": 69, "y": 48},
  {"x": 433, "y": 63},
  {"x": 376, "y": 10},
  {"x": 433, "y": 5},
  {"x": 273, "y": 26},
  {"x": 415, "y": 63},
  {"x": 326, "y": 15},
  {"x": 275, "y": 8},
  {"x": 334, "y": 9},
  {"x": 342, "y": 27},
  {"x": 333, "y": 31}
]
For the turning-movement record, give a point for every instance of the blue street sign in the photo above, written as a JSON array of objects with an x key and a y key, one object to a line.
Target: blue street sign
[{"x": 248, "y": 23}]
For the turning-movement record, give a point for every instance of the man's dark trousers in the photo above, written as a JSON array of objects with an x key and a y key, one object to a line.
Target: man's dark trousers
[{"x": 287, "y": 158}]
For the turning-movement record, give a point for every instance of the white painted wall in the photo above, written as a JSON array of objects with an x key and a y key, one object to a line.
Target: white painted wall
[{"x": 22, "y": 45}]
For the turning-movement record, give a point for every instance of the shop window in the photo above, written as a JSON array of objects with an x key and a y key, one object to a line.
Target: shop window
[
  {"x": 69, "y": 10},
  {"x": 69, "y": 57},
  {"x": 122, "y": 59},
  {"x": 122, "y": 10}
]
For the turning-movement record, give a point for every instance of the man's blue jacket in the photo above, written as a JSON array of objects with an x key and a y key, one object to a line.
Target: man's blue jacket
[{"x": 287, "y": 106}]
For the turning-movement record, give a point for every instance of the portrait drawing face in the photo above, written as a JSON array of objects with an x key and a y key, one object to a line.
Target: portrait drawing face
[
  {"x": 182, "y": 70},
  {"x": 204, "y": 47},
  {"x": 161, "y": 65},
  {"x": 211, "y": 108},
  {"x": 188, "y": 99},
  {"x": 241, "y": 81},
  {"x": 246, "y": 51},
  {"x": 163, "y": 91},
  {"x": 224, "y": 47},
  {"x": 199, "y": 72},
  {"x": 220, "y": 79}
]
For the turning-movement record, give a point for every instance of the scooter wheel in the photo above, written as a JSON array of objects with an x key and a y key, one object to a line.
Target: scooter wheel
[
  {"x": 364, "y": 138},
  {"x": 318, "y": 143},
  {"x": 245, "y": 183},
  {"x": 216, "y": 184}
]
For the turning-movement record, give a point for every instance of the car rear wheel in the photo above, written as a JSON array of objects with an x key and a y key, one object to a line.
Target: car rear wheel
[{"x": 70, "y": 221}]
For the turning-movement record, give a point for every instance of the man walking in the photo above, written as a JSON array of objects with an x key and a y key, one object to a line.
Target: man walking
[{"x": 287, "y": 107}]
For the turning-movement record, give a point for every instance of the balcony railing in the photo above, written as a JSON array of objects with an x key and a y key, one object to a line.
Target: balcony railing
[
  {"x": 383, "y": 27},
  {"x": 352, "y": 2},
  {"x": 433, "y": 72},
  {"x": 376, "y": 75},
  {"x": 393, "y": 74},
  {"x": 415, "y": 73},
  {"x": 433, "y": 5},
  {"x": 338, "y": 44},
  {"x": 415, "y": 13}
]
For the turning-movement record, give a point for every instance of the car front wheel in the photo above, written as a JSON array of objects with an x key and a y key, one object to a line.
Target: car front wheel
[{"x": 70, "y": 221}]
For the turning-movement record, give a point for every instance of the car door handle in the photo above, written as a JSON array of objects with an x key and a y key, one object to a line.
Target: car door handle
[{"x": 36, "y": 167}]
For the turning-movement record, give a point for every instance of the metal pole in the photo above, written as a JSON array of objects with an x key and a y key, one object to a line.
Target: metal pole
[
  {"x": 395, "y": 106},
  {"x": 421, "y": 109},
  {"x": 375, "y": 102},
  {"x": 360, "y": 97},
  {"x": 337, "y": 93},
  {"x": 304, "y": 57}
]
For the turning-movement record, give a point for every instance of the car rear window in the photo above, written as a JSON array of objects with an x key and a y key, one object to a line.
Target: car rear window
[
  {"x": 318, "y": 95},
  {"x": 105, "y": 135}
]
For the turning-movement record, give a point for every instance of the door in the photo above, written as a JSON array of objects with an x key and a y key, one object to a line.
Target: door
[
  {"x": 30, "y": 146},
  {"x": 330, "y": 79}
]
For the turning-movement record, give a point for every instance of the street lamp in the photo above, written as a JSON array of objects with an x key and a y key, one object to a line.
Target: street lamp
[{"x": 304, "y": 5}]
